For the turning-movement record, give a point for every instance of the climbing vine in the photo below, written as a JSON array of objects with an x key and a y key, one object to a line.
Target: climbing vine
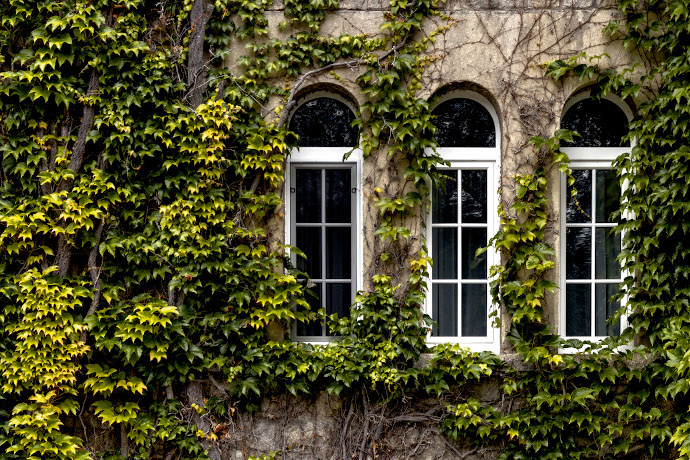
[{"x": 143, "y": 151}]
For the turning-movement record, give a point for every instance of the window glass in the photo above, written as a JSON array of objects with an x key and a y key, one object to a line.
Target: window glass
[
  {"x": 474, "y": 188},
  {"x": 591, "y": 249},
  {"x": 601, "y": 123},
  {"x": 462, "y": 122},
  {"x": 444, "y": 200},
  {"x": 324, "y": 232},
  {"x": 579, "y": 207},
  {"x": 459, "y": 279},
  {"x": 324, "y": 122}
]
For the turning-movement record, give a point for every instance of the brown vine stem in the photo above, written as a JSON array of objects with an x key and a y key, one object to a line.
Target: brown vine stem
[
  {"x": 345, "y": 426},
  {"x": 95, "y": 273},
  {"x": 199, "y": 17},
  {"x": 365, "y": 430},
  {"x": 352, "y": 63}
]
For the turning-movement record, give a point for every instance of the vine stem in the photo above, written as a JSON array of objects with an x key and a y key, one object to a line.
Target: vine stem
[{"x": 353, "y": 63}]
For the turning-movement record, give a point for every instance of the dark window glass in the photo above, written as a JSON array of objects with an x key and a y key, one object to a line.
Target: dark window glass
[
  {"x": 445, "y": 253},
  {"x": 314, "y": 299},
  {"x": 474, "y": 315},
  {"x": 601, "y": 123},
  {"x": 578, "y": 260},
  {"x": 578, "y": 317},
  {"x": 473, "y": 267},
  {"x": 474, "y": 197},
  {"x": 604, "y": 308},
  {"x": 608, "y": 194},
  {"x": 338, "y": 195},
  {"x": 579, "y": 209},
  {"x": 309, "y": 241},
  {"x": 338, "y": 253},
  {"x": 607, "y": 246},
  {"x": 324, "y": 122},
  {"x": 463, "y": 122},
  {"x": 308, "y": 199},
  {"x": 338, "y": 300},
  {"x": 323, "y": 231},
  {"x": 445, "y": 310},
  {"x": 445, "y": 200}
]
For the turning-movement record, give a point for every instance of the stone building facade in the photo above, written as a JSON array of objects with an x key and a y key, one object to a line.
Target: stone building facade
[{"x": 491, "y": 55}]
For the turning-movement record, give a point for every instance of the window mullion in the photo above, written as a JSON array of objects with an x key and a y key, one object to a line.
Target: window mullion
[
  {"x": 459, "y": 240},
  {"x": 593, "y": 252},
  {"x": 324, "y": 287}
]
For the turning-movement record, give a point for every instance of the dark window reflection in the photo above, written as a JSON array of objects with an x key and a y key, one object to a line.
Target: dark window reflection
[
  {"x": 473, "y": 267},
  {"x": 445, "y": 200},
  {"x": 578, "y": 316},
  {"x": 604, "y": 308},
  {"x": 309, "y": 241},
  {"x": 579, "y": 209},
  {"x": 445, "y": 253},
  {"x": 607, "y": 246},
  {"x": 463, "y": 122},
  {"x": 445, "y": 309},
  {"x": 338, "y": 300},
  {"x": 324, "y": 122},
  {"x": 308, "y": 199},
  {"x": 608, "y": 194},
  {"x": 338, "y": 253},
  {"x": 474, "y": 197},
  {"x": 601, "y": 123},
  {"x": 474, "y": 314},
  {"x": 323, "y": 231},
  {"x": 338, "y": 195},
  {"x": 313, "y": 328},
  {"x": 578, "y": 262}
]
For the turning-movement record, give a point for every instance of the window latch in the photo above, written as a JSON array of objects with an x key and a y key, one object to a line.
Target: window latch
[
  {"x": 354, "y": 189},
  {"x": 292, "y": 189}
]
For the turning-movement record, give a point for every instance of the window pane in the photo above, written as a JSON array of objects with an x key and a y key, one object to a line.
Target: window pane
[
  {"x": 444, "y": 309},
  {"x": 309, "y": 240},
  {"x": 608, "y": 195},
  {"x": 463, "y": 122},
  {"x": 474, "y": 197},
  {"x": 604, "y": 308},
  {"x": 338, "y": 195},
  {"x": 313, "y": 297},
  {"x": 578, "y": 315},
  {"x": 583, "y": 184},
  {"x": 578, "y": 246},
  {"x": 338, "y": 300},
  {"x": 445, "y": 200},
  {"x": 606, "y": 249},
  {"x": 324, "y": 122},
  {"x": 601, "y": 123},
  {"x": 338, "y": 253},
  {"x": 308, "y": 199},
  {"x": 474, "y": 314},
  {"x": 445, "y": 253},
  {"x": 473, "y": 267}
]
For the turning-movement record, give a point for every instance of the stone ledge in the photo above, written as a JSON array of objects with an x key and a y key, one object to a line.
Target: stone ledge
[{"x": 478, "y": 5}]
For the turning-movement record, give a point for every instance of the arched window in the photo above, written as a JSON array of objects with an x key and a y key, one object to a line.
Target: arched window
[
  {"x": 324, "y": 122},
  {"x": 322, "y": 217},
  {"x": 461, "y": 221},
  {"x": 590, "y": 274}
]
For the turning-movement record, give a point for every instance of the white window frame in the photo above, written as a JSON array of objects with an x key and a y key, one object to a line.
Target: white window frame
[
  {"x": 460, "y": 158},
  {"x": 589, "y": 158},
  {"x": 323, "y": 157}
]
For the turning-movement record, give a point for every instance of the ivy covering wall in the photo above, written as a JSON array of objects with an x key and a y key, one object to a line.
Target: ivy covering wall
[{"x": 139, "y": 175}]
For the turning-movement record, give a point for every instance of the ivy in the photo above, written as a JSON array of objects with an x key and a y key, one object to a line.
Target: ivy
[{"x": 138, "y": 254}]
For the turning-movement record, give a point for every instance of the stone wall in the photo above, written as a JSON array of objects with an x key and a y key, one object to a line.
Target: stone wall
[{"x": 496, "y": 48}]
